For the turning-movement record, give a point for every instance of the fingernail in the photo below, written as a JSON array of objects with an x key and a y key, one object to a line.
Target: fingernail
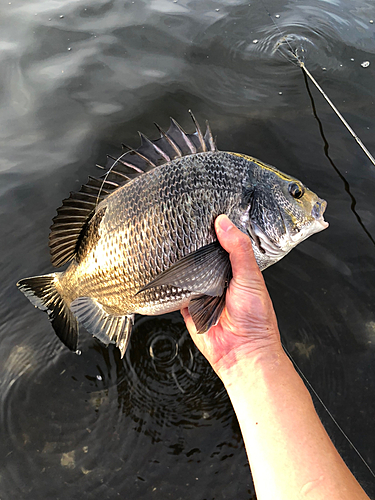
[{"x": 225, "y": 224}]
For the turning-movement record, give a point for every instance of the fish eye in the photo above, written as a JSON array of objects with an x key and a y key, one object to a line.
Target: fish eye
[{"x": 296, "y": 190}]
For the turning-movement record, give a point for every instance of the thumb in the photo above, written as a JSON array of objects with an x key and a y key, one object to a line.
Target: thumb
[{"x": 239, "y": 247}]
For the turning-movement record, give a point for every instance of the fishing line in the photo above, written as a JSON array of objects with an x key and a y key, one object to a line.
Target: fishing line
[
  {"x": 307, "y": 74},
  {"x": 105, "y": 177},
  {"x": 302, "y": 65},
  {"x": 342, "y": 177},
  {"x": 371, "y": 158},
  {"x": 326, "y": 409},
  {"x": 349, "y": 128}
]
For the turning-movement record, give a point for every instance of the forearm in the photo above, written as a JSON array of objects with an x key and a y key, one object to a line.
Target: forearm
[{"x": 290, "y": 454}]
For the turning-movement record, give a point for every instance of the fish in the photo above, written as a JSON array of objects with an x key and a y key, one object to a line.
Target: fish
[{"x": 140, "y": 239}]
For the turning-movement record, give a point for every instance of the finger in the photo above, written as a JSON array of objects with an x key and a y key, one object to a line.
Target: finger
[{"x": 239, "y": 247}]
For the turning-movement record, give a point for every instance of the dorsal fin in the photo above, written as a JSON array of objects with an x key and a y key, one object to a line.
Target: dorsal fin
[{"x": 74, "y": 216}]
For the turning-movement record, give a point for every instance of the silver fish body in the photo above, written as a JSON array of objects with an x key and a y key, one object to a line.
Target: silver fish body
[{"x": 148, "y": 246}]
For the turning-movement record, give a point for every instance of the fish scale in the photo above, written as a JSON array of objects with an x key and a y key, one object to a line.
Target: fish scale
[
  {"x": 155, "y": 226},
  {"x": 141, "y": 240}
]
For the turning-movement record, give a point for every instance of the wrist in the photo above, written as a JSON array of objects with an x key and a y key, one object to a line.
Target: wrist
[{"x": 249, "y": 359}]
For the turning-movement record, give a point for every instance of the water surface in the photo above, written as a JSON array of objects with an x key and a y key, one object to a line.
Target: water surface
[{"x": 78, "y": 78}]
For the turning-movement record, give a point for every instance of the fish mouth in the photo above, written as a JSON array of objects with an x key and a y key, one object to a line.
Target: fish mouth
[
  {"x": 318, "y": 223},
  {"x": 323, "y": 223},
  {"x": 318, "y": 211},
  {"x": 268, "y": 247},
  {"x": 262, "y": 241}
]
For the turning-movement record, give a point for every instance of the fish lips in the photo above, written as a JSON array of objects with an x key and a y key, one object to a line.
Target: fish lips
[
  {"x": 318, "y": 224},
  {"x": 317, "y": 212}
]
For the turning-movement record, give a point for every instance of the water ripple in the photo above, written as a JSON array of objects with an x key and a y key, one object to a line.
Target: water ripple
[
  {"x": 166, "y": 378},
  {"x": 248, "y": 48},
  {"x": 77, "y": 80}
]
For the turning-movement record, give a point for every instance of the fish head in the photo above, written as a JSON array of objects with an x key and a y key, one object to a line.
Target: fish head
[{"x": 282, "y": 212}]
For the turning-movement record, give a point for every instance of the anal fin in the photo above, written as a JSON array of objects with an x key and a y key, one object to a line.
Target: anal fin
[{"x": 102, "y": 325}]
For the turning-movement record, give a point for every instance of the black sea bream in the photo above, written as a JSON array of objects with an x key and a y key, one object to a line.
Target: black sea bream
[{"x": 141, "y": 240}]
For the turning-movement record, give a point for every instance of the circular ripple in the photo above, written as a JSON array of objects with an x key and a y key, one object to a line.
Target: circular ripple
[
  {"x": 163, "y": 350},
  {"x": 165, "y": 376},
  {"x": 239, "y": 55}
]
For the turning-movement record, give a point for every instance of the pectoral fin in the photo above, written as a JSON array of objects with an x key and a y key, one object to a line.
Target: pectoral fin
[
  {"x": 206, "y": 271},
  {"x": 106, "y": 327}
]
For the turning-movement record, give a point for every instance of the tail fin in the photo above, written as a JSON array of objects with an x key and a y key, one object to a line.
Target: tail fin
[{"x": 42, "y": 293}]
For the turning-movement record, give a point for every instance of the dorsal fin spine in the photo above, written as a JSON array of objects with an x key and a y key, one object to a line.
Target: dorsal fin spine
[
  {"x": 159, "y": 150},
  {"x": 110, "y": 183},
  {"x": 126, "y": 164},
  {"x": 199, "y": 132},
  {"x": 208, "y": 136},
  {"x": 173, "y": 145},
  {"x": 73, "y": 217},
  {"x": 119, "y": 160},
  {"x": 134, "y": 151},
  {"x": 164, "y": 135},
  {"x": 188, "y": 142}
]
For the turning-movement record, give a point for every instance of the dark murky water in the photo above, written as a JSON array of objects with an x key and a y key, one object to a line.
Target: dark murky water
[{"x": 77, "y": 79}]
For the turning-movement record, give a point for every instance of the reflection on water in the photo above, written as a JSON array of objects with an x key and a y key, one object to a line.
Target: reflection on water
[
  {"x": 76, "y": 81},
  {"x": 164, "y": 376},
  {"x": 336, "y": 169},
  {"x": 93, "y": 419}
]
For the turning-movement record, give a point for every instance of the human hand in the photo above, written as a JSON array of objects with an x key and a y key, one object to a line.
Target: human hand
[{"x": 248, "y": 324}]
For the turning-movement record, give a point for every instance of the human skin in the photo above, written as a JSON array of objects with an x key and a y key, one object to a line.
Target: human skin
[{"x": 290, "y": 454}]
